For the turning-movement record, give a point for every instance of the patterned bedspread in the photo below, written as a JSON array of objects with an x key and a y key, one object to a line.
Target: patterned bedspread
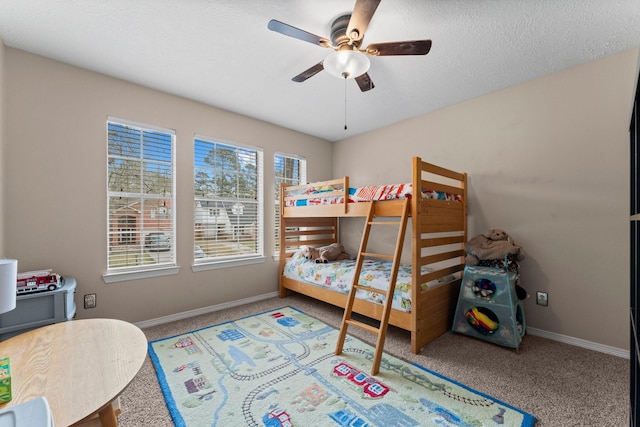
[
  {"x": 338, "y": 276},
  {"x": 364, "y": 194}
]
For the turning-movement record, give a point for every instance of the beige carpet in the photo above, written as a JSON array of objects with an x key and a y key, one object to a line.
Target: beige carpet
[{"x": 561, "y": 385}]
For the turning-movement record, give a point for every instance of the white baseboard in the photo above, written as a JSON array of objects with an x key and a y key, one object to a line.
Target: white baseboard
[
  {"x": 533, "y": 331},
  {"x": 205, "y": 310},
  {"x": 579, "y": 342}
]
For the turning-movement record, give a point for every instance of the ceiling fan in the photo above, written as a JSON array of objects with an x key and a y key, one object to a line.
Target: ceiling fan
[{"x": 348, "y": 60}]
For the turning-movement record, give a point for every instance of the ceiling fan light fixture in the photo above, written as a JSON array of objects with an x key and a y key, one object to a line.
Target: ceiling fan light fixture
[{"x": 347, "y": 64}]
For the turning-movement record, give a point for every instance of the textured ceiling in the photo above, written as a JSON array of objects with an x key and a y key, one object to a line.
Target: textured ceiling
[{"x": 221, "y": 53}]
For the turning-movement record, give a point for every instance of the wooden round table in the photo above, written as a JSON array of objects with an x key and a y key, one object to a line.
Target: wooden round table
[{"x": 80, "y": 367}]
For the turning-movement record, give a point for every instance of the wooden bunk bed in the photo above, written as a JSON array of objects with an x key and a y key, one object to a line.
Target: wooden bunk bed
[{"x": 438, "y": 233}]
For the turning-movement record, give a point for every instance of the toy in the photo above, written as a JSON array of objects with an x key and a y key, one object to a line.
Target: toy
[
  {"x": 484, "y": 289},
  {"x": 5, "y": 380},
  {"x": 482, "y": 320},
  {"x": 36, "y": 281},
  {"x": 324, "y": 254},
  {"x": 494, "y": 244}
]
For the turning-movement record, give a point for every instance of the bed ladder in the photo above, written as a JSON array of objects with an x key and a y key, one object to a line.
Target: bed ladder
[{"x": 381, "y": 331}]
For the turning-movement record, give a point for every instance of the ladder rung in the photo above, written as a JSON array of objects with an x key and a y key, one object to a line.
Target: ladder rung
[
  {"x": 374, "y": 290},
  {"x": 363, "y": 326},
  {"x": 384, "y": 223},
  {"x": 377, "y": 255}
]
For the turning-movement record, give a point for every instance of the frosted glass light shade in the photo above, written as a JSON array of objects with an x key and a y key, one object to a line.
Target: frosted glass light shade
[
  {"x": 8, "y": 279},
  {"x": 346, "y": 64}
]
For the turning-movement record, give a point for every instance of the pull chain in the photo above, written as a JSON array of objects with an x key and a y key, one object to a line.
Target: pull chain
[{"x": 345, "y": 102}]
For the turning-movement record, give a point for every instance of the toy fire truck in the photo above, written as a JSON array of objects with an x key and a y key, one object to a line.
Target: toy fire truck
[{"x": 36, "y": 281}]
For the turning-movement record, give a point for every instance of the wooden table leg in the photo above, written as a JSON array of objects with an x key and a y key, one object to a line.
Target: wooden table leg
[{"x": 108, "y": 416}]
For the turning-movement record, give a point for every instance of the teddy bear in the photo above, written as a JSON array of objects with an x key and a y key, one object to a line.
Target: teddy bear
[
  {"x": 494, "y": 244},
  {"x": 324, "y": 254}
]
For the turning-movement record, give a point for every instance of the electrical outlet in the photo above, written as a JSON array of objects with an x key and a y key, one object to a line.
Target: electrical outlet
[
  {"x": 542, "y": 298},
  {"x": 90, "y": 301}
]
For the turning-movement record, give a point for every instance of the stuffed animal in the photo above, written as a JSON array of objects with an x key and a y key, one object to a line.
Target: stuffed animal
[
  {"x": 324, "y": 254},
  {"x": 494, "y": 244}
]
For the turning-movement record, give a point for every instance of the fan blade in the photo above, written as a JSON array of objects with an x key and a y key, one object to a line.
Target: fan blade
[
  {"x": 308, "y": 73},
  {"x": 409, "y": 47},
  {"x": 362, "y": 13},
  {"x": 365, "y": 82},
  {"x": 297, "y": 33}
]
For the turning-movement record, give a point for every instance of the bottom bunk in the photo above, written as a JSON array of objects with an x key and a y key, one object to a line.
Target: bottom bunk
[
  {"x": 433, "y": 319},
  {"x": 426, "y": 319}
]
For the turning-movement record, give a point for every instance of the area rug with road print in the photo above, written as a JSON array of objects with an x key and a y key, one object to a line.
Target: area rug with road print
[{"x": 278, "y": 368}]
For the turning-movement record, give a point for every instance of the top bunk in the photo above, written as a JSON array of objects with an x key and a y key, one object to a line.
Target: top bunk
[{"x": 440, "y": 188}]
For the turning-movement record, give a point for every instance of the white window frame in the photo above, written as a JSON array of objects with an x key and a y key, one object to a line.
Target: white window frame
[
  {"x": 302, "y": 178},
  {"x": 201, "y": 260},
  {"x": 156, "y": 263}
]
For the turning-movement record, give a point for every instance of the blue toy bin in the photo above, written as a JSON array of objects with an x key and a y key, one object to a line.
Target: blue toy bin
[{"x": 488, "y": 307}]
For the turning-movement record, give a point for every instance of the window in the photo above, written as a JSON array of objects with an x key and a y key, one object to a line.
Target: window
[
  {"x": 140, "y": 197},
  {"x": 228, "y": 205},
  {"x": 288, "y": 170}
]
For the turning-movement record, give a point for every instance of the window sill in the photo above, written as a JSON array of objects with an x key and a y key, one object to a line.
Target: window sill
[
  {"x": 214, "y": 265},
  {"x": 139, "y": 274}
]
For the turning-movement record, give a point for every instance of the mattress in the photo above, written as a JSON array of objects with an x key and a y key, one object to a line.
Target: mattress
[
  {"x": 314, "y": 195},
  {"x": 338, "y": 276}
]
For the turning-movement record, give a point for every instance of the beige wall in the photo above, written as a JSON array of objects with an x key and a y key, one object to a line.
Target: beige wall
[
  {"x": 55, "y": 207},
  {"x": 548, "y": 161}
]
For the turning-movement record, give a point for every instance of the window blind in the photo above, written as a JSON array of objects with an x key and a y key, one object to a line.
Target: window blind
[
  {"x": 140, "y": 196},
  {"x": 228, "y": 202},
  {"x": 290, "y": 170}
]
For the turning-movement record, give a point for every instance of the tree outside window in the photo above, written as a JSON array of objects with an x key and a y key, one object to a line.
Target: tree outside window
[
  {"x": 140, "y": 196},
  {"x": 227, "y": 201}
]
